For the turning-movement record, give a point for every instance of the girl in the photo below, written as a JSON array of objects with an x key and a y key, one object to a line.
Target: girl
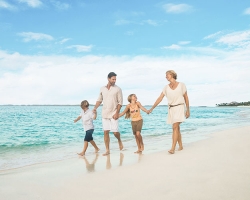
[{"x": 132, "y": 111}]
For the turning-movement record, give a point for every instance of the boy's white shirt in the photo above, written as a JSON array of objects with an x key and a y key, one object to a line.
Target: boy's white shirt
[{"x": 87, "y": 119}]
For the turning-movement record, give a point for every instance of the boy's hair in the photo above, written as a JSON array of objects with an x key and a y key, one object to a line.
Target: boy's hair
[
  {"x": 111, "y": 74},
  {"x": 84, "y": 104}
]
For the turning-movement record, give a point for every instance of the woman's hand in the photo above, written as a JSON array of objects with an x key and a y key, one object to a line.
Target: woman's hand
[{"x": 187, "y": 114}]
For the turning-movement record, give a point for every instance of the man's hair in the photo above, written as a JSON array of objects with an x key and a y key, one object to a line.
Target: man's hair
[{"x": 111, "y": 74}]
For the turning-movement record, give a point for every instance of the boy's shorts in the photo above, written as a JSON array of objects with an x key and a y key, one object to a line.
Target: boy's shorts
[
  {"x": 110, "y": 125},
  {"x": 88, "y": 136},
  {"x": 136, "y": 126}
]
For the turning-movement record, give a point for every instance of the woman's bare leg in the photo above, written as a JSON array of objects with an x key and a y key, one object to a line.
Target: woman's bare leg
[
  {"x": 175, "y": 136},
  {"x": 180, "y": 140}
]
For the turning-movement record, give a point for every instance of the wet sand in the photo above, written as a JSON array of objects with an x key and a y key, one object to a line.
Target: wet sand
[{"x": 214, "y": 168}]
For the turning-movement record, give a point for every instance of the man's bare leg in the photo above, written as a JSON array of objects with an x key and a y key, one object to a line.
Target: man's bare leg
[
  {"x": 94, "y": 145},
  {"x": 117, "y": 135},
  {"x": 84, "y": 149},
  {"x": 106, "y": 141}
]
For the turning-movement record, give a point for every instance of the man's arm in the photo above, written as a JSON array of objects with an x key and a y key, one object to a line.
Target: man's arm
[{"x": 97, "y": 104}]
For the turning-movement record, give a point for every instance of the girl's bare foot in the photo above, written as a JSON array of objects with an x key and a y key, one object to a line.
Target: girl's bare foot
[
  {"x": 81, "y": 154},
  {"x": 171, "y": 151},
  {"x": 96, "y": 150},
  {"x": 180, "y": 148}
]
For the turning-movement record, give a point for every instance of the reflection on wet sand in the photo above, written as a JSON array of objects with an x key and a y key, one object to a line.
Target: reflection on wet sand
[
  {"x": 108, "y": 162},
  {"x": 90, "y": 166}
]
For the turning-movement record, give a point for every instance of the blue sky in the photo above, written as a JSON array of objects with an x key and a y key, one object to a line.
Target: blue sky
[{"x": 60, "y": 52}]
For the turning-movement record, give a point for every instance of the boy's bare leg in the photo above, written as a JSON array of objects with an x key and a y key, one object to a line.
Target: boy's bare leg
[
  {"x": 84, "y": 149},
  {"x": 94, "y": 145},
  {"x": 117, "y": 135},
  {"x": 106, "y": 141}
]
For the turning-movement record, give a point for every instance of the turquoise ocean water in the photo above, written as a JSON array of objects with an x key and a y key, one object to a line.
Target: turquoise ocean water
[{"x": 36, "y": 134}]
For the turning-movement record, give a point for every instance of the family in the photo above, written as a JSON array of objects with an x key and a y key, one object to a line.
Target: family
[{"x": 111, "y": 98}]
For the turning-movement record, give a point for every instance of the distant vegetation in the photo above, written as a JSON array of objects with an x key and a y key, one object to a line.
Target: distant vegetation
[{"x": 234, "y": 103}]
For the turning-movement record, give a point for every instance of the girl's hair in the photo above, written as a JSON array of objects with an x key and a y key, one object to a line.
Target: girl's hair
[
  {"x": 84, "y": 104},
  {"x": 173, "y": 73},
  {"x": 127, "y": 116}
]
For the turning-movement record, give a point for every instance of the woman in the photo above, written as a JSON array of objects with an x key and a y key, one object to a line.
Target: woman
[{"x": 176, "y": 94}]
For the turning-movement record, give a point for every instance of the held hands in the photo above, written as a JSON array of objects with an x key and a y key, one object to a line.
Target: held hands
[{"x": 116, "y": 116}]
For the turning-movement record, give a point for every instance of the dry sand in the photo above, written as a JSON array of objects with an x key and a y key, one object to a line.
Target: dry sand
[{"x": 215, "y": 168}]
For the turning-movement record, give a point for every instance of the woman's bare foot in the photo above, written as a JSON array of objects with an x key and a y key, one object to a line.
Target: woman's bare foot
[
  {"x": 81, "y": 154},
  {"x": 107, "y": 153},
  {"x": 96, "y": 150},
  {"x": 171, "y": 151},
  {"x": 180, "y": 148}
]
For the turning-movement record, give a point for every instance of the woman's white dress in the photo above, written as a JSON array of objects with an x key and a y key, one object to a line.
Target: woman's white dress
[{"x": 175, "y": 97}]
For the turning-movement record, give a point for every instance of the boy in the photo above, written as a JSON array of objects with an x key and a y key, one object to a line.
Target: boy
[{"x": 87, "y": 117}]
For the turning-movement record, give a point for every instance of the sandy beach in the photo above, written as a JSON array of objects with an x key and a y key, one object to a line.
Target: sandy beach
[{"x": 214, "y": 168}]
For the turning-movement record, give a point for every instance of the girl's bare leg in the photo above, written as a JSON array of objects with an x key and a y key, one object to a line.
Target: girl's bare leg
[
  {"x": 141, "y": 145},
  {"x": 175, "y": 136},
  {"x": 138, "y": 144},
  {"x": 94, "y": 145},
  {"x": 84, "y": 149}
]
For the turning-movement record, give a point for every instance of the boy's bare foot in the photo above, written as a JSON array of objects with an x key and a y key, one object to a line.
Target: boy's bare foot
[
  {"x": 96, "y": 150},
  {"x": 81, "y": 154},
  {"x": 171, "y": 151},
  {"x": 120, "y": 145},
  {"x": 180, "y": 148},
  {"x": 107, "y": 153}
]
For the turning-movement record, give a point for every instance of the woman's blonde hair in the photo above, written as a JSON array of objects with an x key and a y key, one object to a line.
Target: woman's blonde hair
[
  {"x": 173, "y": 73},
  {"x": 127, "y": 116},
  {"x": 84, "y": 104}
]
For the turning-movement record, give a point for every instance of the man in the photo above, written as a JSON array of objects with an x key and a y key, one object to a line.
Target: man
[{"x": 111, "y": 96}]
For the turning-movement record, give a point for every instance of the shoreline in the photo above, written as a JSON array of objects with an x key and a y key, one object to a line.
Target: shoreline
[{"x": 214, "y": 168}]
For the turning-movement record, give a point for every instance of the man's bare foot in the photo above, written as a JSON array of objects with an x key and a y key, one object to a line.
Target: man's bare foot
[
  {"x": 81, "y": 154},
  {"x": 171, "y": 151},
  {"x": 96, "y": 150},
  {"x": 120, "y": 145},
  {"x": 138, "y": 151},
  {"x": 107, "y": 153},
  {"x": 180, "y": 148}
]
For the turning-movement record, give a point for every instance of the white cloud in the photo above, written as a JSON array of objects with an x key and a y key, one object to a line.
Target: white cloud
[
  {"x": 32, "y": 3},
  {"x": 214, "y": 35},
  {"x": 6, "y": 5},
  {"x": 60, "y": 6},
  {"x": 151, "y": 22},
  {"x": 239, "y": 38},
  {"x": 29, "y": 36},
  {"x": 247, "y": 11},
  {"x": 122, "y": 22},
  {"x": 81, "y": 48},
  {"x": 172, "y": 47},
  {"x": 184, "y": 42},
  {"x": 64, "y": 40},
  {"x": 177, "y": 8}
]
